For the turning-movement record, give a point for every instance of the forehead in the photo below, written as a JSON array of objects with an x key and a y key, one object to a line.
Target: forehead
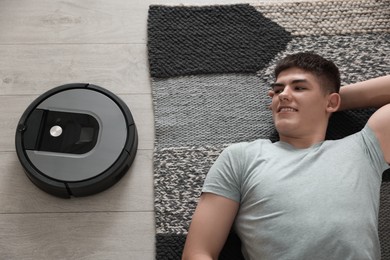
[{"x": 291, "y": 75}]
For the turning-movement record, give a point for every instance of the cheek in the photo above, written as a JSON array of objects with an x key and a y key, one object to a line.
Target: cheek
[
  {"x": 315, "y": 109},
  {"x": 274, "y": 104}
]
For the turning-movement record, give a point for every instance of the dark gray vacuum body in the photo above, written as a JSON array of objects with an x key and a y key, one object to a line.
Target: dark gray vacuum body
[{"x": 76, "y": 140}]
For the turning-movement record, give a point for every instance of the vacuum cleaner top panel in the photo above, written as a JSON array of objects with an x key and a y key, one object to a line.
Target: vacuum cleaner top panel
[{"x": 82, "y": 133}]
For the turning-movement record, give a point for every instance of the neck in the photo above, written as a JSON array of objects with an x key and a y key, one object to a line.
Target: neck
[
  {"x": 305, "y": 137},
  {"x": 302, "y": 142}
]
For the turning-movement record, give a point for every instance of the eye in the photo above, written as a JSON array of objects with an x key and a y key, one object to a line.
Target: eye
[
  {"x": 278, "y": 90},
  {"x": 299, "y": 88}
]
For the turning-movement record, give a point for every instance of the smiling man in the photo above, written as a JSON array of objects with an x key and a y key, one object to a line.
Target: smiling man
[
  {"x": 302, "y": 197},
  {"x": 301, "y": 106}
]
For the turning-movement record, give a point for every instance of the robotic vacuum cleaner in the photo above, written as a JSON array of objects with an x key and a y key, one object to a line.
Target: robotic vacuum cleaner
[{"x": 76, "y": 140}]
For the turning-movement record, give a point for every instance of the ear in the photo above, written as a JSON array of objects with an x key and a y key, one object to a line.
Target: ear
[{"x": 334, "y": 101}]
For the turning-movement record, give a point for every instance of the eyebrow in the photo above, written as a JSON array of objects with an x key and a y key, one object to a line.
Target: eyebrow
[{"x": 295, "y": 81}]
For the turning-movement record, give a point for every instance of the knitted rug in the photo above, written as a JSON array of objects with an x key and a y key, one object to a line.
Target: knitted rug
[{"x": 210, "y": 69}]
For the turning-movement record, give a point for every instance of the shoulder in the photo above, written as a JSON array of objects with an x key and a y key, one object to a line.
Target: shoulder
[
  {"x": 379, "y": 122},
  {"x": 238, "y": 155}
]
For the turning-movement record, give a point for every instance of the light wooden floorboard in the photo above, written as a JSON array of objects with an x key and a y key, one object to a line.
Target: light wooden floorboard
[
  {"x": 44, "y": 44},
  {"x": 103, "y": 235},
  {"x": 33, "y": 69},
  {"x": 71, "y": 21},
  {"x": 131, "y": 194}
]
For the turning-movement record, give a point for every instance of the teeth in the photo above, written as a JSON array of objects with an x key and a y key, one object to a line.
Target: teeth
[{"x": 287, "y": 109}]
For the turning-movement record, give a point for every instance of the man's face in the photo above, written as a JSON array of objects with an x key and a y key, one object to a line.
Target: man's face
[{"x": 298, "y": 104}]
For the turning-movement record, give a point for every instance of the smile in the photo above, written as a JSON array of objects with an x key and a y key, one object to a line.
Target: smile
[{"x": 287, "y": 109}]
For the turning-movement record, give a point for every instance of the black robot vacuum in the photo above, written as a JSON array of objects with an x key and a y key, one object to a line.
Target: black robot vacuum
[{"x": 76, "y": 140}]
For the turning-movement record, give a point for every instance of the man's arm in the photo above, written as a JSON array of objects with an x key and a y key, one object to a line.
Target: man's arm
[
  {"x": 210, "y": 226},
  {"x": 379, "y": 122},
  {"x": 372, "y": 93}
]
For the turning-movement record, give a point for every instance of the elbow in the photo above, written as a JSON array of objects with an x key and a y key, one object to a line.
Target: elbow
[{"x": 198, "y": 256}]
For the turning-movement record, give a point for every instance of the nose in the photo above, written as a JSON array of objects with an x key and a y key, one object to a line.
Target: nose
[{"x": 285, "y": 94}]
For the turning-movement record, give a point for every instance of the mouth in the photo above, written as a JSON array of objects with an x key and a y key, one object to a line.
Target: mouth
[{"x": 287, "y": 109}]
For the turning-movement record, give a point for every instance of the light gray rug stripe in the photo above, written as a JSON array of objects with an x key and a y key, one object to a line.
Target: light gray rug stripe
[
  {"x": 210, "y": 109},
  {"x": 178, "y": 179},
  {"x": 330, "y": 17}
]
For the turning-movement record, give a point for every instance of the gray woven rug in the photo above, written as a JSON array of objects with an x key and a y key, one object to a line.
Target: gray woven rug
[{"x": 210, "y": 69}]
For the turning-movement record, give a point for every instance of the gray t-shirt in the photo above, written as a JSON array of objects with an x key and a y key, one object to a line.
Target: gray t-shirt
[{"x": 316, "y": 203}]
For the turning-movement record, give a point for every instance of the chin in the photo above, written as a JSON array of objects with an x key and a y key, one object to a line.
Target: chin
[
  {"x": 286, "y": 124},
  {"x": 286, "y": 129}
]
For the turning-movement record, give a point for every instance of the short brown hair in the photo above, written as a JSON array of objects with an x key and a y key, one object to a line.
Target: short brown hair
[{"x": 324, "y": 69}]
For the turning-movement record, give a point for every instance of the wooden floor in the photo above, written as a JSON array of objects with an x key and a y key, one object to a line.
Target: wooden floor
[{"x": 44, "y": 44}]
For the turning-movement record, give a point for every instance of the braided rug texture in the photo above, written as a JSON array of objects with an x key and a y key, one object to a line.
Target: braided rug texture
[{"x": 210, "y": 69}]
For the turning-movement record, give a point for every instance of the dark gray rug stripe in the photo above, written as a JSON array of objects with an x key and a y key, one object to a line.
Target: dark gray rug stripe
[
  {"x": 384, "y": 220},
  {"x": 170, "y": 246},
  {"x": 211, "y": 39}
]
